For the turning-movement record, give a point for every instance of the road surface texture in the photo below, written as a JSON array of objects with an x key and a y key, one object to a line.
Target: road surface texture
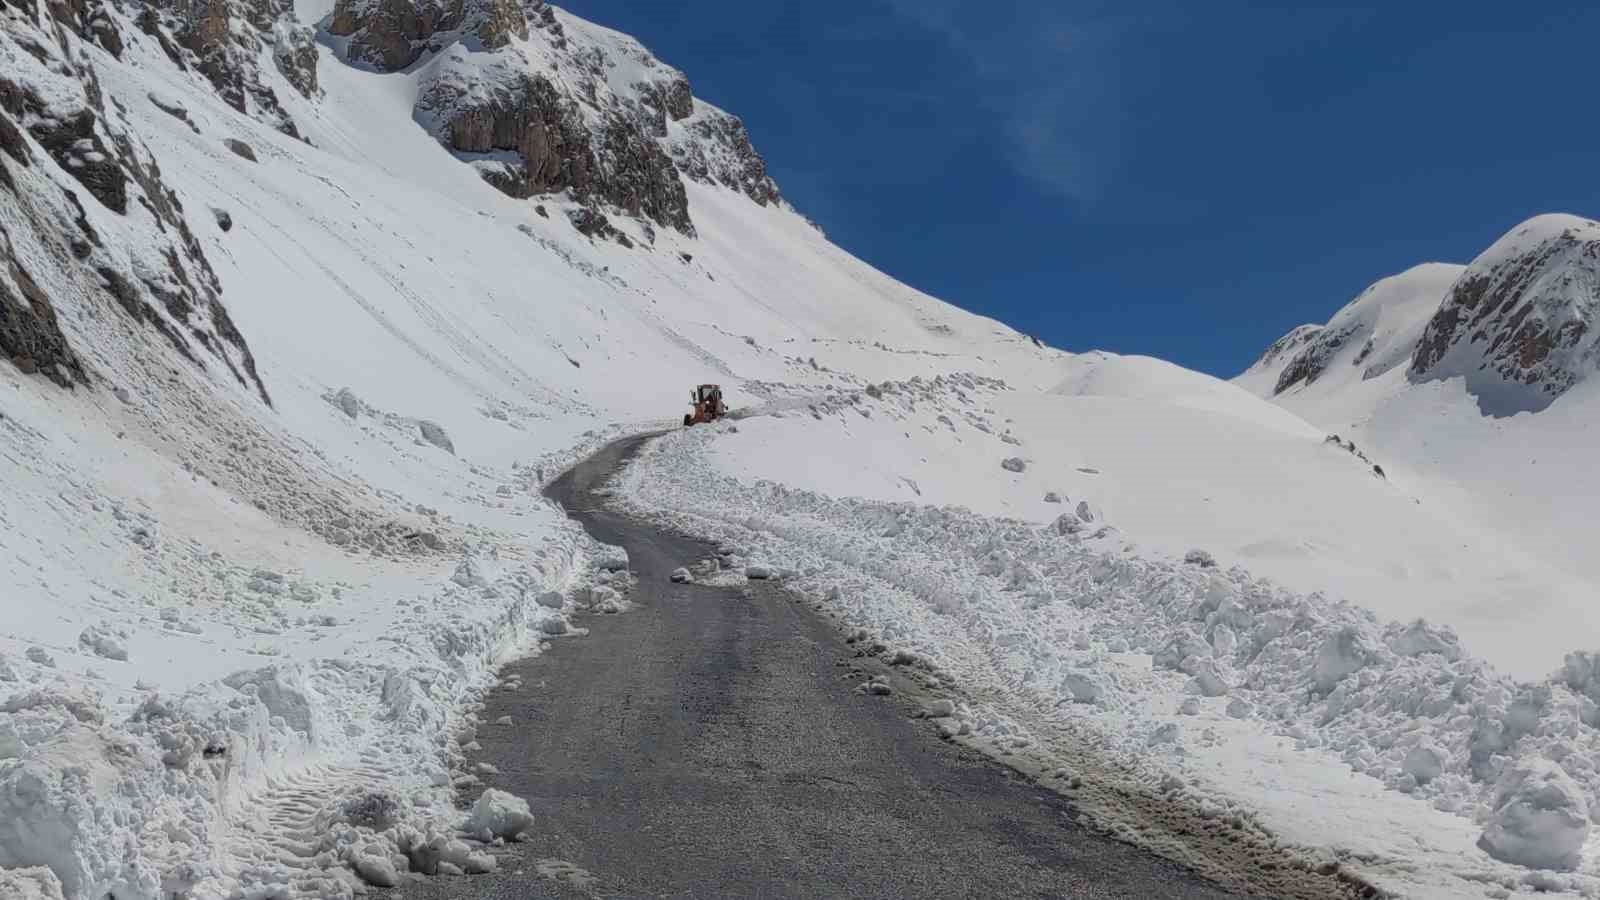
[{"x": 709, "y": 742}]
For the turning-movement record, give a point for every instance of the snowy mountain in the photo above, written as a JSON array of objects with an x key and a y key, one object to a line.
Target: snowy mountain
[
  {"x": 1514, "y": 325},
  {"x": 1371, "y": 336},
  {"x": 302, "y": 304}
]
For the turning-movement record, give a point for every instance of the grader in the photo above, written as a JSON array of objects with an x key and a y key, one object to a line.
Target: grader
[{"x": 708, "y": 405}]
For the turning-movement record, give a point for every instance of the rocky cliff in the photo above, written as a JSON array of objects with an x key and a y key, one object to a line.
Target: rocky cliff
[{"x": 542, "y": 103}]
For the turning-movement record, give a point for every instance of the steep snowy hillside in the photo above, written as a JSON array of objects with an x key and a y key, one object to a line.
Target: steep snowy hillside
[
  {"x": 302, "y": 304},
  {"x": 283, "y": 370}
]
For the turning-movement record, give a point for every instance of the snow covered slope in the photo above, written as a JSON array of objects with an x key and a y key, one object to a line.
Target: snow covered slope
[
  {"x": 283, "y": 373},
  {"x": 1373, "y": 335},
  {"x": 300, "y": 306},
  {"x": 1478, "y": 397}
]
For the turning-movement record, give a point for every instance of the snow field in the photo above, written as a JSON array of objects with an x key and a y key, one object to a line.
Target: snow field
[{"x": 1309, "y": 713}]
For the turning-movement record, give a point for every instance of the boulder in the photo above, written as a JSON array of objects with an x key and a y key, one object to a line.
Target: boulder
[
  {"x": 1538, "y": 817},
  {"x": 435, "y": 435}
]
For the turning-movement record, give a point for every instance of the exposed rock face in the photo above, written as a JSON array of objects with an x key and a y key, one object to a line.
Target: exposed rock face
[
  {"x": 30, "y": 336},
  {"x": 223, "y": 39},
  {"x": 392, "y": 34},
  {"x": 294, "y": 50},
  {"x": 724, "y": 155},
  {"x": 544, "y": 103},
  {"x": 1372, "y": 335},
  {"x": 1519, "y": 323},
  {"x": 71, "y": 139},
  {"x": 157, "y": 274}
]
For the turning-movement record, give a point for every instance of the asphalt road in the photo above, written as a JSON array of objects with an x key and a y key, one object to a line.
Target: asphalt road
[{"x": 710, "y": 742}]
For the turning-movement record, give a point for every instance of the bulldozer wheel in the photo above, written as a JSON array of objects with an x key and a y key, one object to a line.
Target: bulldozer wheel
[{"x": 687, "y": 420}]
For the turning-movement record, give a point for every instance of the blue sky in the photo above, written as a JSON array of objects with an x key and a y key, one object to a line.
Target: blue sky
[{"x": 1178, "y": 179}]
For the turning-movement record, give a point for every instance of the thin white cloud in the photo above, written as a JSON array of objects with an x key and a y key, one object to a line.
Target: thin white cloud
[{"x": 1046, "y": 76}]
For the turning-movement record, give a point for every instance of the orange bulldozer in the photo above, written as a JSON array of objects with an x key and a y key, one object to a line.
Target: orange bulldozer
[{"x": 708, "y": 405}]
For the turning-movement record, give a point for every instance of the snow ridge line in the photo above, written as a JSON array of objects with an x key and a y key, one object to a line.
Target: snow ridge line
[{"x": 1042, "y": 619}]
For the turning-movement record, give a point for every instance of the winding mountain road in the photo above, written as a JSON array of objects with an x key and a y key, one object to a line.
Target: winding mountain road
[{"x": 709, "y": 742}]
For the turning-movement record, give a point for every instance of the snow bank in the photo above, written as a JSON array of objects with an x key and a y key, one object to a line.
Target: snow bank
[{"x": 1057, "y": 622}]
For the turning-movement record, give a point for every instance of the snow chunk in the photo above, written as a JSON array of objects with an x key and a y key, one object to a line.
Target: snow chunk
[
  {"x": 1081, "y": 688},
  {"x": 282, "y": 690},
  {"x": 1539, "y": 819},
  {"x": 499, "y": 813},
  {"x": 680, "y": 575},
  {"x": 1419, "y": 637},
  {"x": 551, "y": 600},
  {"x": 1179, "y": 650},
  {"x": 1052, "y": 497},
  {"x": 1068, "y": 524},
  {"x": 39, "y": 657},
  {"x": 1424, "y": 762},
  {"x": 1207, "y": 680},
  {"x": 1013, "y": 464},
  {"x": 37, "y": 883},
  {"x": 469, "y": 574},
  {"x": 103, "y": 643},
  {"x": 758, "y": 573},
  {"x": 612, "y": 559},
  {"x": 347, "y": 402},
  {"x": 1200, "y": 558},
  {"x": 1345, "y": 651}
]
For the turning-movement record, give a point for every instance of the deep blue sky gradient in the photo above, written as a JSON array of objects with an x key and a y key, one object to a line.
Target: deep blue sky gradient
[{"x": 1183, "y": 180}]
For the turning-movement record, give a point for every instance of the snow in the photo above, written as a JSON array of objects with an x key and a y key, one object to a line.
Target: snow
[
  {"x": 226, "y": 616},
  {"x": 1539, "y": 817},
  {"x": 1313, "y": 713},
  {"x": 498, "y": 813}
]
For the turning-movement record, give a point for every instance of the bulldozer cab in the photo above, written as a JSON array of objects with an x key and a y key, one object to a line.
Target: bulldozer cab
[{"x": 708, "y": 405}]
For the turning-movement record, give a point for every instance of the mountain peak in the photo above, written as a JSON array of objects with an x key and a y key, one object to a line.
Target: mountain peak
[{"x": 1518, "y": 324}]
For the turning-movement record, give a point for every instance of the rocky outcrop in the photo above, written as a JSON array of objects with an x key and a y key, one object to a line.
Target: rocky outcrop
[
  {"x": 720, "y": 152},
  {"x": 70, "y": 137},
  {"x": 539, "y": 103},
  {"x": 223, "y": 41},
  {"x": 30, "y": 336},
  {"x": 482, "y": 109},
  {"x": 392, "y": 34},
  {"x": 294, "y": 51},
  {"x": 155, "y": 272},
  {"x": 1518, "y": 325},
  {"x": 1372, "y": 335}
]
